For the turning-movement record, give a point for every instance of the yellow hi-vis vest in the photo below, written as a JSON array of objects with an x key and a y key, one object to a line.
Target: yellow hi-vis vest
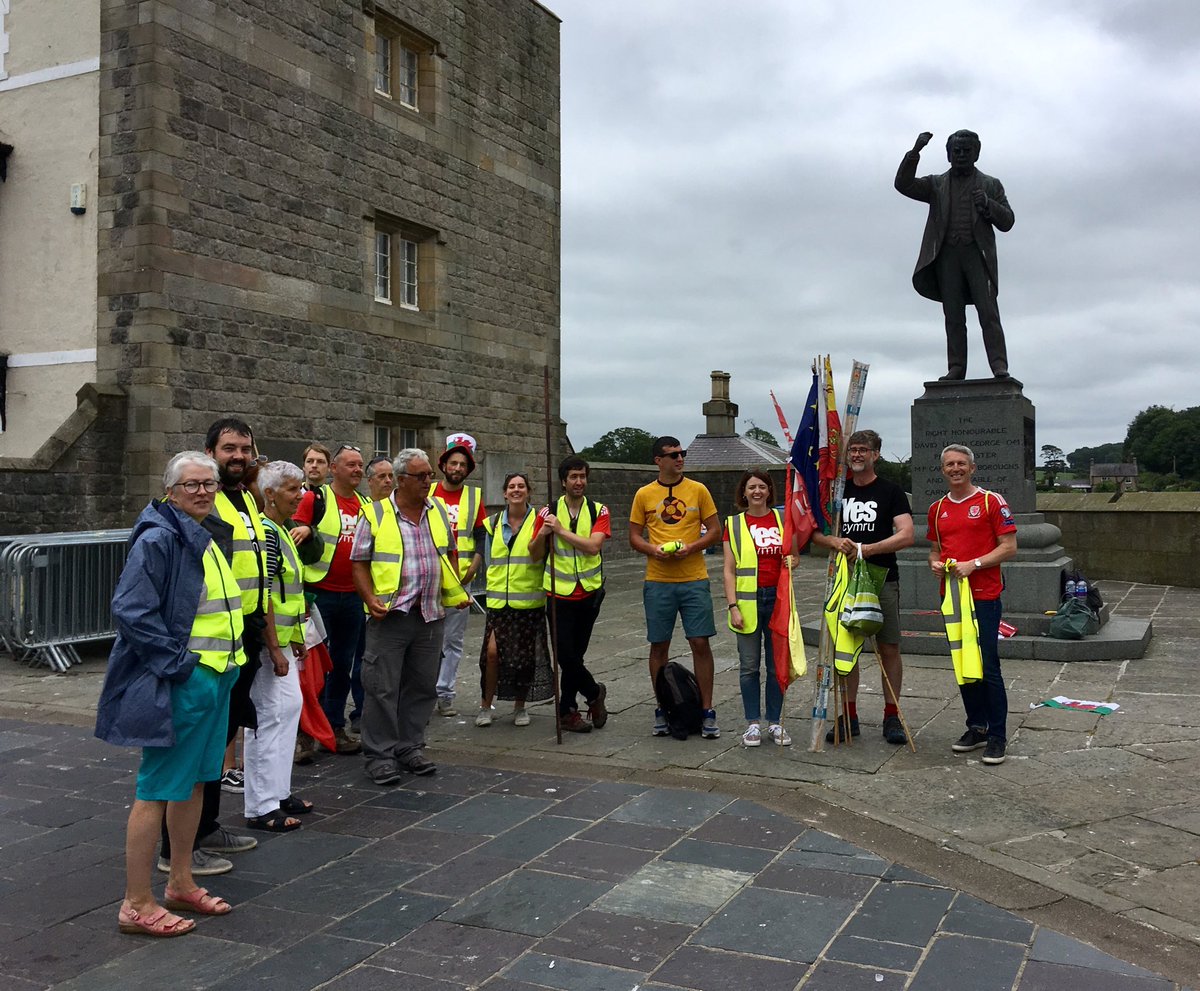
[
  {"x": 328, "y": 529},
  {"x": 514, "y": 579},
  {"x": 249, "y": 561},
  {"x": 287, "y": 589},
  {"x": 387, "y": 555},
  {"x": 847, "y": 644},
  {"x": 216, "y": 636},
  {"x": 962, "y": 628},
  {"x": 745, "y": 571},
  {"x": 569, "y": 565},
  {"x": 468, "y": 510}
]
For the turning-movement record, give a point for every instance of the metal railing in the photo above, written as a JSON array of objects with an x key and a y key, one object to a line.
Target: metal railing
[{"x": 56, "y": 591}]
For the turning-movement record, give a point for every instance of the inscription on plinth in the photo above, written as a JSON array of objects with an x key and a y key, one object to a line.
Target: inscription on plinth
[{"x": 990, "y": 416}]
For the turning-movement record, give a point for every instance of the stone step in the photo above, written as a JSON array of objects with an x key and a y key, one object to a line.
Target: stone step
[{"x": 1119, "y": 639}]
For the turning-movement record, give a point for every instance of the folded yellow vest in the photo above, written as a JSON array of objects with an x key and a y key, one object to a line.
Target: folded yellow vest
[
  {"x": 847, "y": 644},
  {"x": 962, "y": 628}
]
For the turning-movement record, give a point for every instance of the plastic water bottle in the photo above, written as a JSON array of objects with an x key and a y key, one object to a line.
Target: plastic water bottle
[
  {"x": 1069, "y": 590},
  {"x": 1081, "y": 589}
]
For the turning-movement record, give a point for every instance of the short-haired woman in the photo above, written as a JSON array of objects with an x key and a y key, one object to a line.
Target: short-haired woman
[
  {"x": 178, "y": 614},
  {"x": 269, "y": 749}
]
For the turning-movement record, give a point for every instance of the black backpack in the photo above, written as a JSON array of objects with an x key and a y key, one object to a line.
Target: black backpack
[{"x": 678, "y": 695}]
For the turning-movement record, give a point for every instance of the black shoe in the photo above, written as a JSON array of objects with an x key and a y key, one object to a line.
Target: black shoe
[
  {"x": 840, "y": 730},
  {"x": 954, "y": 374},
  {"x": 384, "y": 773},
  {"x": 994, "y": 754},
  {"x": 893, "y": 731},
  {"x": 972, "y": 739}
]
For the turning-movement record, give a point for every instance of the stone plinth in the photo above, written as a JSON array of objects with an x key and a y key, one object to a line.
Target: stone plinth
[{"x": 990, "y": 416}]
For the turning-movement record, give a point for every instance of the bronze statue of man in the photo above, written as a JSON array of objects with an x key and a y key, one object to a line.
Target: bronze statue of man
[{"x": 957, "y": 263}]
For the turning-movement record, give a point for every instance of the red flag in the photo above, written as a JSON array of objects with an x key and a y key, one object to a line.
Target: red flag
[
  {"x": 313, "y": 720},
  {"x": 781, "y": 617},
  {"x": 830, "y": 456}
]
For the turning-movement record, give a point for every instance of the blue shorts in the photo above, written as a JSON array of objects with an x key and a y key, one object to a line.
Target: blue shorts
[
  {"x": 691, "y": 601},
  {"x": 200, "y": 716}
]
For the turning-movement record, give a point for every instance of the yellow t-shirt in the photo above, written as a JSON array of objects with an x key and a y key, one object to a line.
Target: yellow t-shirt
[{"x": 673, "y": 513}]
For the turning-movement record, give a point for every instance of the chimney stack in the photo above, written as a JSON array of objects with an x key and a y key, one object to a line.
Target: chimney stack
[{"x": 720, "y": 414}]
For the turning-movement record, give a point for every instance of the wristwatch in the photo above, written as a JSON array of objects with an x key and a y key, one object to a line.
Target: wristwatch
[{"x": 978, "y": 563}]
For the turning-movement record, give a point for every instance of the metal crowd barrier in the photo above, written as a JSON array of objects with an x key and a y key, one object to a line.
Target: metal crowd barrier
[{"x": 56, "y": 591}]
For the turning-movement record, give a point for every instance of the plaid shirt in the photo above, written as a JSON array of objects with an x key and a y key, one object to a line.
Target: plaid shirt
[{"x": 420, "y": 571}]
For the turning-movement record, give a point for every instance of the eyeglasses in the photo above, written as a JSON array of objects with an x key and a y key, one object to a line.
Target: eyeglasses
[
  {"x": 674, "y": 454},
  {"x": 192, "y": 487},
  {"x": 347, "y": 447},
  {"x": 424, "y": 476},
  {"x": 861, "y": 450}
]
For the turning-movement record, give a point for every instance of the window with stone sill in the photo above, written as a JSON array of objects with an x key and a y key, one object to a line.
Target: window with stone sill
[
  {"x": 403, "y": 265},
  {"x": 403, "y": 65}
]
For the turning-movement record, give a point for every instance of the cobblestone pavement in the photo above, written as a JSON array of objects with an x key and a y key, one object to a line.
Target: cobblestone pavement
[
  {"x": 1091, "y": 828},
  {"x": 506, "y": 880}
]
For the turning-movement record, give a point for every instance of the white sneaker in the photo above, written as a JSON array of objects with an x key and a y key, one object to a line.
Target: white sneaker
[
  {"x": 520, "y": 717},
  {"x": 752, "y": 737},
  {"x": 779, "y": 735},
  {"x": 484, "y": 718}
]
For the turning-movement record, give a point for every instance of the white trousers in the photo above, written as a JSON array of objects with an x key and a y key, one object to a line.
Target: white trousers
[{"x": 269, "y": 749}]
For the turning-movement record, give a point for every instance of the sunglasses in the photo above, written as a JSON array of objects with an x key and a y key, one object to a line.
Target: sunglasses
[
  {"x": 674, "y": 454},
  {"x": 347, "y": 447}
]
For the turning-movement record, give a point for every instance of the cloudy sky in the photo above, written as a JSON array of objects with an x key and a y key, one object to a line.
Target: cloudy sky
[{"x": 727, "y": 193}]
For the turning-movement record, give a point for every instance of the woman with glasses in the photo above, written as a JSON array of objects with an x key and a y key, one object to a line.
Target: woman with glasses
[
  {"x": 178, "y": 614},
  {"x": 514, "y": 661}
]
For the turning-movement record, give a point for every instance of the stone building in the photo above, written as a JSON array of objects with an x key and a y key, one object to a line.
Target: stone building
[
  {"x": 338, "y": 219},
  {"x": 1123, "y": 476}
]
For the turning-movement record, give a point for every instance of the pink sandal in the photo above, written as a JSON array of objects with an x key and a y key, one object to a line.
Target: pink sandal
[
  {"x": 198, "y": 901},
  {"x": 161, "y": 923}
]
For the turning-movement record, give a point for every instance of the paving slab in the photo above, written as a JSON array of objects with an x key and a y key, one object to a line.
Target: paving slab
[{"x": 1084, "y": 831}]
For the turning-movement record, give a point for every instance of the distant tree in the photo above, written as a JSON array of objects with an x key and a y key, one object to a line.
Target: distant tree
[
  {"x": 1053, "y": 462},
  {"x": 1106, "y": 454},
  {"x": 1166, "y": 441},
  {"x": 899, "y": 471},
  {"x": 762, "y": 436},
  {"x": 625, "y": 445}
]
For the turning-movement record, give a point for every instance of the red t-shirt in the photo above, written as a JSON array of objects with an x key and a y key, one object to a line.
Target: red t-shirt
[
  {"x": 768, "y": 545},
  {"x": 451, "y": 500},
  {"x": 969, "y": 529},
  {"x": 340, "y": 577}
]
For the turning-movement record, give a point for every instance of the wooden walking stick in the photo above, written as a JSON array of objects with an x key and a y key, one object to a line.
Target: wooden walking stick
[
  {"x": 895, "y": 697},
  {"x": 551, "y": 610}
]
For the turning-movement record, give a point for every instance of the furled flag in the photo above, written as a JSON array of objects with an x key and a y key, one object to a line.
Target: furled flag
[
  {"x": 803, "y": 513},
  {"x": 830, "y": 453}
]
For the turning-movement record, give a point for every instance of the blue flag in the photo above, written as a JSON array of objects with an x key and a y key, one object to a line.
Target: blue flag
[{"x": 806, "y": 453}]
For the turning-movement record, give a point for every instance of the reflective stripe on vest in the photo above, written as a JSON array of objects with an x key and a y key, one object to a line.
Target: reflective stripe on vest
[
  {"x": 287, "y": 589},
  {"x": 468, "y": 509},
  {"x": 387, "y": 554},
  {"x": 962, "y": 628},
  {"x": 329, "y": 530},
  {"x": 847, "y": 644},
  {"x": 745, "y": 571},
  {"x": 569, "y": 565},
  {"x": 249, "y": 561},
  {"x": 216, "y": 636},
  {"x": 513, "y": 578}
]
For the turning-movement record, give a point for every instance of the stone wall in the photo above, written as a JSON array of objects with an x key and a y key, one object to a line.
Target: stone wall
[
  {"x": 73, "y": 482},
  {"x": 245, "y": 164},
  {"x": 1151, "y": 537}
]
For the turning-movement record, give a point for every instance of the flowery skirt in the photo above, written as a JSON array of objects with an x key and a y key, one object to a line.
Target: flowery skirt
[{"x": 523, "y": 652}]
